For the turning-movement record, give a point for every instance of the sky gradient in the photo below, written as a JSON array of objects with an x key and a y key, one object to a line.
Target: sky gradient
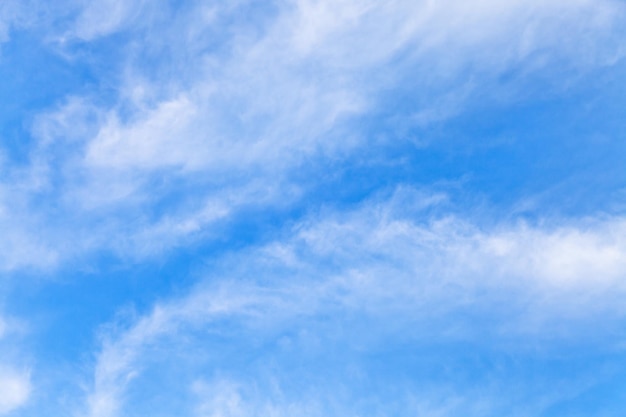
[{"x": 302, "y": 208}]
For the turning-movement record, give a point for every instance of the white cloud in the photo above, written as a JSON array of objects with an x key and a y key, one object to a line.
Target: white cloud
[
  {"x": 261, "y": 103},
  {"x": 236, "y": 120},
  {"x": 117, "y": 363},
  {"x": 220, "y": 400},
  {"x": 161, "y": 140},
  {"x": 225, "y": 398},
  {"x": 15, "y": 383},
  {"x": 518, "y": 282},
  {"x": 21, "y": 245},
  {"x": 589, "y": 255},
  {"x": 452, "y": 36},
  {"x": 287, "y": 89},
  {"x": 11, "y": 13},
  {"x": 103, "y": 17},
  {"x": 15, "y": 390},
  {"x": 240, "y": 118}
]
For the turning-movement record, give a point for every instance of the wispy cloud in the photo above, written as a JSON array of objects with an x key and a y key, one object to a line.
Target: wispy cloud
[
  {"x": 22, "y": 246},
  {"x": 15, "y": 380},
  {"x": 278, "y": 132},
  {"x": 15, "y": 388},
  {"x": 242, "y": 114},
  {"x": 381, "y": 269}
]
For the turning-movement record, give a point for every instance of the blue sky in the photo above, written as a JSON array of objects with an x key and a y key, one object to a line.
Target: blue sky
[{"x": 312, "y": 208}]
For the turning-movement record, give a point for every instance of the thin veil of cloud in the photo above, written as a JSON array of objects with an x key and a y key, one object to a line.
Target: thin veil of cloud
[
  {"x": 402, "y": 279},
  {"x": 15, "y": 388},
  {"x": 268, "y": 98},
  {"x": 15, "y": 376},
  {"x": 311, "y": 207}
]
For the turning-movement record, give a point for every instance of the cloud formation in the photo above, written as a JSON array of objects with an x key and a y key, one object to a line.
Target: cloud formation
[
  {"x": 15, "y": 390},
  {"x": 15, "y": 382},
  {"x": 376, "y": 268},
  {"x": 242, "y": 115},
  {"x": 312, "y": 207}
]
